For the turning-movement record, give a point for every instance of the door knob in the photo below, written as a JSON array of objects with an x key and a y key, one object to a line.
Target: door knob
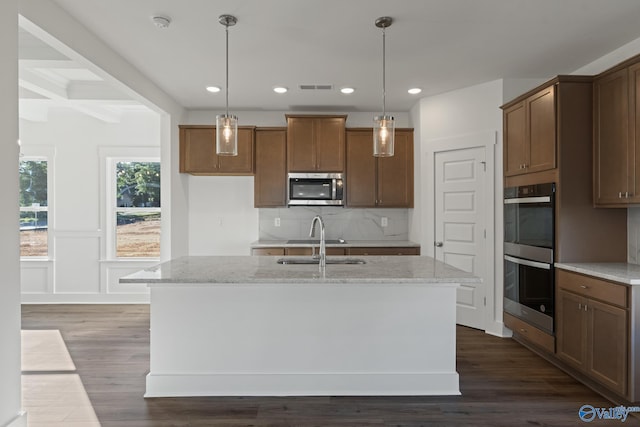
[{"x": 439, "y": 244}]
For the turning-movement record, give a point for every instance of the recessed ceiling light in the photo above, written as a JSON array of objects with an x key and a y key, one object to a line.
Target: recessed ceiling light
[
  {"x": 280, "y": 89},
  {"x": 213, "y": 89},
  {"x": 414, "y": 90},
  {"x": 161, "y": 21},
  {"x": 347, "y": 90}
]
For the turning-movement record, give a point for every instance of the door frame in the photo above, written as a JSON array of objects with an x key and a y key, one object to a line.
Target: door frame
[{"x": 493, "y": 287}]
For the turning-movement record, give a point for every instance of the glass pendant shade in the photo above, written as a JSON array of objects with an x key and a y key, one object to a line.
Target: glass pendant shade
[
  {"x": 226, "y": 135},
  {"x": 383, "y": 136},
  {"x": 384, "y": 125}
]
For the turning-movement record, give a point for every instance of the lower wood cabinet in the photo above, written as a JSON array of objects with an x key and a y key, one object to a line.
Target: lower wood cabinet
[
  {"x": 337, "y": 251},
  {"x": 530, "y": 333},
  {"x": 592, "y": 328},
  {"x": 410, "y": 250}
]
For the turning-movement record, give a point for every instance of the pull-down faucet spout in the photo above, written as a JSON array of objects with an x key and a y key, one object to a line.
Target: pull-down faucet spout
[{"x": 323, "y": 248}]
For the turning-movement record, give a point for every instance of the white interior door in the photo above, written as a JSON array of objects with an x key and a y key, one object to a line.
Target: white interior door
[{"x": 460, "y": 232}]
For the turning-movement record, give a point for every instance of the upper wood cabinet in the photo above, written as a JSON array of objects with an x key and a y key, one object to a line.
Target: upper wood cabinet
[
  {"x": 616, "y": 137},
  {"x": 530, "y": 134},
  {"x": 379, "y": 181},
  {"x": 198, "y": 152},
  {"x": 270, "y": 185},
  {"x": 315, "y": 143}
]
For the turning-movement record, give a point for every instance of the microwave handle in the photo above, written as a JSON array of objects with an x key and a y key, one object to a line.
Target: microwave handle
[
  {"x": 528, "y": 263},
  {"x": 334, "y": 190},
  {"x": 542, "y": 199}
]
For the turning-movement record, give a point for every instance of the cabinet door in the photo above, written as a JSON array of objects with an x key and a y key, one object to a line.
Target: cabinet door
[
  {"x": 607, "y": 346},
  {"x": 198, "y": 150},
  {"x": 329, "y": 134},
  {"x": 395, "y": 174},
  {"x": 514, "y": 139},
  {"x": 301, "y": 154},
  {"x": 361, "y": 169},
  {"x": 382, "y": 251},
  {"x": 634, "y": 136},
  {"x": 571, "y": 333},
  {"x": 611, "y": 133},
  {"x": 270, "y": 183},
  {"x": 541, "y": 153},
  {"x": 268, "y": 251},
  {"x": 242, "y": 164}
]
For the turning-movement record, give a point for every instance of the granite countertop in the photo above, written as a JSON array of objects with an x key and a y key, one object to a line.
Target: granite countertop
[
  {"x": 348, "y": 244},
  {"x": 207, "y": 270},
  {"x": 628, "y": 274}
]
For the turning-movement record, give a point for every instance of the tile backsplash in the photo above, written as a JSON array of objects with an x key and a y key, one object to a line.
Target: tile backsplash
[{"x": 340, "y": 223}]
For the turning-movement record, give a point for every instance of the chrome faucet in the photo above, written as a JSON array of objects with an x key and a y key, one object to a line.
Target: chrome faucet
[{"x": 323, "y": 248}]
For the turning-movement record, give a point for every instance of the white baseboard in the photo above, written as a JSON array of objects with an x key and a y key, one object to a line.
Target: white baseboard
[
  {"x": 84, "y": 298},
  {"x": 304, "y": 384},
  {"x": 19, "y": 421}
]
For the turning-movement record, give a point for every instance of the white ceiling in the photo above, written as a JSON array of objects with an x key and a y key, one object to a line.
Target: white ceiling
[{"x": 437, "y": 45}]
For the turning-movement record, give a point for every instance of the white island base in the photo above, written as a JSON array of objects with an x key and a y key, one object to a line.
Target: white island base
[{"x": 284, "y": 339}]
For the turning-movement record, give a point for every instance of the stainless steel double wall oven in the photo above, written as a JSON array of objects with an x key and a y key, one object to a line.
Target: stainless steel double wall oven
[{"x": 529, "y": 239}]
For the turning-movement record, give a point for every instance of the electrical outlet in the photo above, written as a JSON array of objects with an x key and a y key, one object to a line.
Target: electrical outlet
[
  {"x": 276, "y": 222},
  {"x": 384, "y": 221}
]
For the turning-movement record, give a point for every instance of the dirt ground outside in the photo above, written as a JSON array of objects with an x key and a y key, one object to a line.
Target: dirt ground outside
[{"x": 138, "y": 239}]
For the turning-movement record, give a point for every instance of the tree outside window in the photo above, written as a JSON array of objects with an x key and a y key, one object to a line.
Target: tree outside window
[
  {"x": 34, "y": 209},
  {"x": 137, "y": 211}
]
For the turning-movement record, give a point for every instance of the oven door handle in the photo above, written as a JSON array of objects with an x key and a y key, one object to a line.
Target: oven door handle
[
  {"x": 518, "y": 200},
  {"x": 528, "y": 263}
]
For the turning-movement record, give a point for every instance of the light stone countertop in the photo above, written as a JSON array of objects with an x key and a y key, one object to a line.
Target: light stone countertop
[
  {"x": 207, "y": 270},
  {"x": 348, "y": 244},
  {"x": 628, "y": 274}
]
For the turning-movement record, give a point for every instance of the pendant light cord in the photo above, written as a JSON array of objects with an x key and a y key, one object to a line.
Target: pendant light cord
[
  {"x": 384, "y": 88},
  {"x": 227, "y": 67}
]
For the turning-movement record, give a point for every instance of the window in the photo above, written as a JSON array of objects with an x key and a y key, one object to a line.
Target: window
[
  {"x": 34, "y": 208},
  {"x": 137, "y": 209}
]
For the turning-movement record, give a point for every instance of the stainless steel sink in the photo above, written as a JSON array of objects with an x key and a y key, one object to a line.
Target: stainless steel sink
[
  {"x": 315, "y": 242},
  {"x": 309, "y": 260}
]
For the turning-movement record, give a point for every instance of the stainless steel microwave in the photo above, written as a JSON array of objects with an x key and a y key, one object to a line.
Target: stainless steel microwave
[{"x": 324, "y": 189}]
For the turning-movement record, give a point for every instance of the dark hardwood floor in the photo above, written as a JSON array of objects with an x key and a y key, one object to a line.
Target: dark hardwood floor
[{"x": 502, "y": 383}]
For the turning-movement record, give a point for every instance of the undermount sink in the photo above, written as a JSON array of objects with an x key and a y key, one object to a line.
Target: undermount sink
[
  {"x": 317, "y": 261},
  {"x": 315, "y": 242}
]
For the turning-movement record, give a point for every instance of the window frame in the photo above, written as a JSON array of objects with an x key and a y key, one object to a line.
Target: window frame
[
  {"x": 41, "y": 153},
  {"x": 112, "y": 208}
]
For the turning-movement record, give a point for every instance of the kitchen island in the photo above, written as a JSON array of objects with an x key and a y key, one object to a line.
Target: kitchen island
[{"x": 248, "y": 326}]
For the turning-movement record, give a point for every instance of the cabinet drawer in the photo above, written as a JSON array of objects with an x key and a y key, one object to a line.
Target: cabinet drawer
[
  {"x": 530, "y": 333},
  {"x": 309, "y": 251},
  {"x": 267, "y": 251},
  {"x": 592, "y": 287},
  {"x": 385, "y": 251}
]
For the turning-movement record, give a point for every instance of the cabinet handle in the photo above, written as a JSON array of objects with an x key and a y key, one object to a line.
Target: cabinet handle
[
  {"x": 584, "y": 286},
  {"x": 524, "y": 331},
  {"x": 585, "y": 307},
  {"x": 579, "y": 306},
  {"x": 620, "y": 195}
]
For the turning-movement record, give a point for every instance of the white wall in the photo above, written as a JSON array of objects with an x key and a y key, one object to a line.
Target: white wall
[
  {"x": 469, "y": 114},
  {"x": 79, "y": 269},
  {"x": 633, "y": 213},
  {"x": 75, "y": 41},
  {"x": 10, "y": 396}
]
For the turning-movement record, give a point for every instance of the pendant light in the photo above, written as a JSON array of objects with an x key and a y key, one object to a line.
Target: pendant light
[
  {"x": 226, "y": 124},
  {"x": 384, "y": 125}
]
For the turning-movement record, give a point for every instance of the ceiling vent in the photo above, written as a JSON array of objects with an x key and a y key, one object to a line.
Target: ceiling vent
[{"x": 316, "y": 87}]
